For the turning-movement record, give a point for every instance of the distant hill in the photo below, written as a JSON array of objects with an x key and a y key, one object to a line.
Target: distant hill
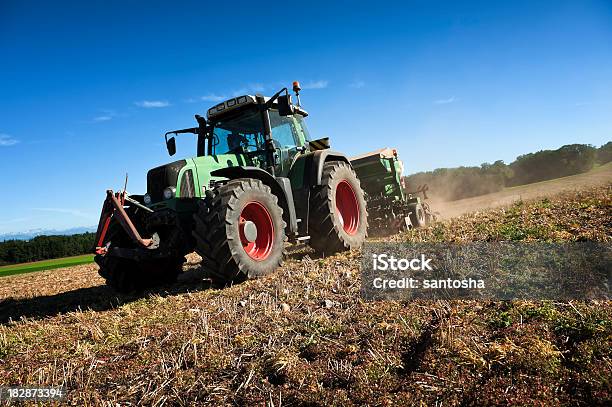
[
  {"x": 29, "y": 234},
  {"x": 450, "y": 184}
]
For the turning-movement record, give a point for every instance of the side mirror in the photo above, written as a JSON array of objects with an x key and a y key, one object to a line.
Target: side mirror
[
  {"x": 285, "y": 107},
  {"x": 171, "y": 145},
  {"x": 201, "y": 121}
]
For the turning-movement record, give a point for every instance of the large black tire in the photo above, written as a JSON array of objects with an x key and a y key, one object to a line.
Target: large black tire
[
  {"x": 417, "y": 216},
  {"x": 129, "y": 276},
  {"x": 339, "y": 193},
  {"x": 227, "y": 254}
]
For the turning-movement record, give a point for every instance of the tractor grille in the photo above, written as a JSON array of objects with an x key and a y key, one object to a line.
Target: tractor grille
[{"x": 162, "y": 177}]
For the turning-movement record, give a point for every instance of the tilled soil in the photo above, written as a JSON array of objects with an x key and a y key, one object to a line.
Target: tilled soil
[{"x": 303, "y": 335}]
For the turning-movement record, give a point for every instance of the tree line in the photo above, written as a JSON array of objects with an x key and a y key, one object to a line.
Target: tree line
[
  {"x": 464, "y": 182},
  {"x": 45, "y": 247}
]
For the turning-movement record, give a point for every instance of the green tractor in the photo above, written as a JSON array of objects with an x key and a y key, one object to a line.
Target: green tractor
[
  {"x": 391, "y": 208},
  {"x": 256, "y": 182}
]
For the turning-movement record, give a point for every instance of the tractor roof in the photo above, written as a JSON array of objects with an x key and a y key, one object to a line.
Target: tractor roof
[{"x": 241, "y": 101}]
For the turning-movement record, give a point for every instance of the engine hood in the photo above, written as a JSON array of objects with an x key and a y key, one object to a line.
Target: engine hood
[{"x": 162, "y": 177}]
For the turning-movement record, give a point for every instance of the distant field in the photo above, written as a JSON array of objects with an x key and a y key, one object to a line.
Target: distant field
[
  {"x": 45, "y": 265},
  {"x": 599, "y": 176}
]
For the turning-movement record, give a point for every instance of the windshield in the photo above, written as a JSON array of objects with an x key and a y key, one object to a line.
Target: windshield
[
  {"x": 238, "y": 134},
  {"x": 243, "y": 133}
]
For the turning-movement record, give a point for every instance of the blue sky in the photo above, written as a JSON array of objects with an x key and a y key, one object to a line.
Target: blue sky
[{"x": 88, "y": 88}]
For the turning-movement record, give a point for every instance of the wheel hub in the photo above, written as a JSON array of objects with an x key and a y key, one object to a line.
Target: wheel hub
[
  {"x": 256, "y": 231},
  {"x": 347, "y": 207},
  {"x": 249, "y": 229}
]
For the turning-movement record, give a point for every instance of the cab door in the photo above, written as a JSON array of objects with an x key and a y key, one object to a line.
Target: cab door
[{"x": 289, "y": 139}]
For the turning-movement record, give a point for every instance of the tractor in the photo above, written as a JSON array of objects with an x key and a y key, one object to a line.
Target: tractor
[
  {"x": 257, "y": 183},
  {"x": 391, "y": 208}
]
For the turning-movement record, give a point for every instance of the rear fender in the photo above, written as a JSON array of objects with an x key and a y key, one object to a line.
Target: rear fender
[
  {"x": 307, "y": 172},
  {"x": 313, "y": 166}
]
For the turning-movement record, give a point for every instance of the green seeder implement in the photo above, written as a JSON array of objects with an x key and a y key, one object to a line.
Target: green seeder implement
[{"x": 390, "y": 207}]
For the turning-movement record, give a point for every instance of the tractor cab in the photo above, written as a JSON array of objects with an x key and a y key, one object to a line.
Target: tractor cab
[
  {"x": 239, "y": 129},
  {"x": 258, "y": 131}
]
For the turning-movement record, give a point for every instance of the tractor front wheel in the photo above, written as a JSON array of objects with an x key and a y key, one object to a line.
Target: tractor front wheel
[
  {"x": 240, "y": 231},
  {"x": 338, "y": 219}
]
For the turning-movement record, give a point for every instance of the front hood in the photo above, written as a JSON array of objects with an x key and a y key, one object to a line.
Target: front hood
[
  {"x": 161, "y": 177},
  {"x": 207, "y": 164}
]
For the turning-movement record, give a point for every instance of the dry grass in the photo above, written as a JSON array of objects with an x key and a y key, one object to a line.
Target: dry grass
[{"x": 303, "y": 336}]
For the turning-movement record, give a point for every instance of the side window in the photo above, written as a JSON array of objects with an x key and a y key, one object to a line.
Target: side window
[
  {"x": 302, "y": 132},
  {"x": 283, "y": 133},
  {"x": 289, "y": 131},
  {"x": 283, "y": 130}
]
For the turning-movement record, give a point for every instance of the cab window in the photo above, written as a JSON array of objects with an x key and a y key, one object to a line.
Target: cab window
[{"x": 288, "y": 131}]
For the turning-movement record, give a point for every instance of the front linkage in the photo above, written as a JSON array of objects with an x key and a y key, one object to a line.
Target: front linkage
[
  {"x": 113, "y": 209},
  {"x": 128, "y": 261}
]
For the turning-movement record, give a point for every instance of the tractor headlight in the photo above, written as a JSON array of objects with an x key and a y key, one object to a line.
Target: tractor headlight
[
  {"x": 169, "y": 192},
  {"x": 147, "y": 199}
]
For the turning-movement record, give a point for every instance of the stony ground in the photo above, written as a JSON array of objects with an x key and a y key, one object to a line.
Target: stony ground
[{"x": 303, "y": 336}]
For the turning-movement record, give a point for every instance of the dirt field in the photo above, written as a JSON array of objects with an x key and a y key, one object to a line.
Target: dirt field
[
  {"x": 303, "y": 336},
  {"x": 599, "y": 176}
]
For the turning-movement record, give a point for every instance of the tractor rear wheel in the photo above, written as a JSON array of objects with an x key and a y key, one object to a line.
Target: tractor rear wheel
[
  {"x": 417, "y": 216},
  {"x": 338, "y": 218},
  {"x": 240, "y": 231}
]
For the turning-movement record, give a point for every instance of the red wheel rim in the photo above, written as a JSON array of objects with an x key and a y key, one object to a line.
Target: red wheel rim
[
  {"x": 261, "y": 247},
  {"x": 347, "y": 207}
]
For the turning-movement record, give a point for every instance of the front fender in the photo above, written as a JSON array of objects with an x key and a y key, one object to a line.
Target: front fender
[{"x": 281, "y": 187}]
